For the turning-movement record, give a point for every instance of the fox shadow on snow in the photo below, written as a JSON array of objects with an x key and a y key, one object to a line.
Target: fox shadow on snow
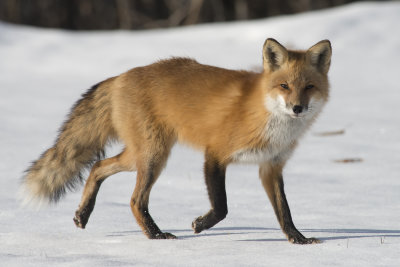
[
  {"x": 345, "y": 234},
  {"x": 332, "y": 233}
]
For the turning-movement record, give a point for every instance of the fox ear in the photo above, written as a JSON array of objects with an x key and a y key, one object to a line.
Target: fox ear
[
  {"x": 319, "y": 55},
  {"x": 274, "y": 55}
]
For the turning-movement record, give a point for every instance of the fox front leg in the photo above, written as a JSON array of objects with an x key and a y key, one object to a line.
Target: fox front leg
[
  {"x": 215, "y": 181},
  {"x": 272, "y": 180}
]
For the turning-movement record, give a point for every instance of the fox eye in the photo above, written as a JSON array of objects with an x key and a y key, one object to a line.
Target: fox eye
[
  {"x": 310, "y": 86},
  {"x": 285, "y": 86}
]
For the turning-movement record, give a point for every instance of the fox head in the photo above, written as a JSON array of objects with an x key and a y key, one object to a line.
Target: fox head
[{"x": 296, "y": 82}]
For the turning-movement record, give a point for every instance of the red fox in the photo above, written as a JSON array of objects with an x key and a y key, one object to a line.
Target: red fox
[{"x": 233, "y": 116}]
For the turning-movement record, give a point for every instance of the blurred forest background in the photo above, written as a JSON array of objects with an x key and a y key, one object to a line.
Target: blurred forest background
[{"x": 144, "y": 14}]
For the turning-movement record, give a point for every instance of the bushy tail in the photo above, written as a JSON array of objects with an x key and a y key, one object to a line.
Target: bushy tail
[{"x": 81, "y": 140}]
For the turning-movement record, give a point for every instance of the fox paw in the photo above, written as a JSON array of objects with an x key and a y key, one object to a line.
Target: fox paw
[
  {"x": 164, "y": 236},
  {"x": 80, "y": 220},
  {"x": 304, "y": 240},
  {"x": 198, "y": 225}
]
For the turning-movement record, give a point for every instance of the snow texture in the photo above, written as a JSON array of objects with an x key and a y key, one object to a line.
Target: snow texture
[{"x": 343, "y": 188}]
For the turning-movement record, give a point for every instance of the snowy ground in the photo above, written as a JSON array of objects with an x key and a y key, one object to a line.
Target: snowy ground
[{"x": 353, "y": 207}]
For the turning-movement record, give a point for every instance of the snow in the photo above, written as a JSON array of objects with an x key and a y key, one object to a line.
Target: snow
[{"x": 353, "y": 207}]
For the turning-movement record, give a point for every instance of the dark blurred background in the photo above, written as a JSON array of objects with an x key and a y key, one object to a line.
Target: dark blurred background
[{"x": 144, "y": 14}]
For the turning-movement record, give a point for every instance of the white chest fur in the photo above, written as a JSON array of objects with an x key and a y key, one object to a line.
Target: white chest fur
[{"x": 281, "y": 132}]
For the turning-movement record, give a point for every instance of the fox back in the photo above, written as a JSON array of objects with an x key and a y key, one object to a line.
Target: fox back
[{"x": 229, "y": 112}]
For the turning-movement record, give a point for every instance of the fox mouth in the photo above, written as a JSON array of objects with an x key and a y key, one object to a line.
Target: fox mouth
[{"x": 297, "y": 116}]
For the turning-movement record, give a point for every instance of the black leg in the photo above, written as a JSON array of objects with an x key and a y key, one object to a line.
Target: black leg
[
  {"x": 215, "y": 180},
  {"x": 271, "y": 177}
]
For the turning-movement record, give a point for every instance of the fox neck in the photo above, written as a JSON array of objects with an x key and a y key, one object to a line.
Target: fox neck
[
  {"x": 278, "y": 137},
  {"x": 282, "y": 133}
]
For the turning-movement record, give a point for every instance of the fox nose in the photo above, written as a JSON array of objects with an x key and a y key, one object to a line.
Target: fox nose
[{"x": 297, "y": 109}]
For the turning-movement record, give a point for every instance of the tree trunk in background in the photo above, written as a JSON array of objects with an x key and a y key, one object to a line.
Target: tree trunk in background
[{"x": 142, "y": 14}]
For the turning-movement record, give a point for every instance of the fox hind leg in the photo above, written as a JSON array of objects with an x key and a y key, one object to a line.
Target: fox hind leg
[
  {"x": 150, "y": 163},
  {"x": 215, "y": 179},
  {"x": 100, "y": 171},
  {"x": 146, "y": 177}
]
